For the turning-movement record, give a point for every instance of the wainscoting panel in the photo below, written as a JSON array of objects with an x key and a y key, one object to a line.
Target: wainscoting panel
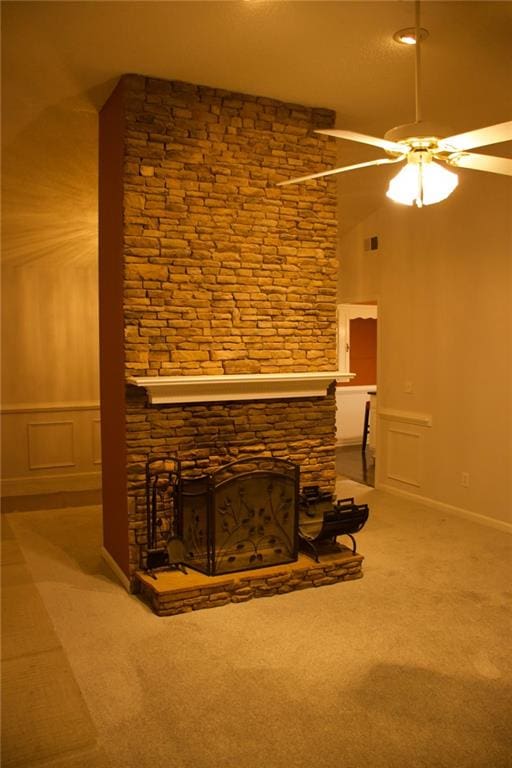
[
  {"x": 404, "y": 456},
  {"x": 50, "y": 447},
  {"x": 403, "y": 439},
  {"x": 50, "y": 444},
  {"x": 96, "y": 441}
]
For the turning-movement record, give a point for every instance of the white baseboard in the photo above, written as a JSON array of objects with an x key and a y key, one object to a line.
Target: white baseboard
[
  {"x": 349, "y": 441},
  {"x": 27, "y": 486},
  {"x": 116, "y": 570},
  {"x": 475, "y": 517}
]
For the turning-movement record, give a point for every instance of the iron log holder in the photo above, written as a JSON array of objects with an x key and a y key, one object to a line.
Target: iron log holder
[{"x": 344, "y": 518}]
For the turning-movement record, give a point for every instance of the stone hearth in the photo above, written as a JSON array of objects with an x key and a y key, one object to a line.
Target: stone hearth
[{"x": 172, "y": 592}]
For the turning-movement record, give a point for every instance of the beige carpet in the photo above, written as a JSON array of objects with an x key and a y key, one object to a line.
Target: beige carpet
[
  {"x": 44, "y": 716},
  {"x": 409, "y": 666}
]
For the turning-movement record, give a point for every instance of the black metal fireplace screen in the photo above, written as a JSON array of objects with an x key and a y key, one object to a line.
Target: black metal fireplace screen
[
  {"x": 244, "y": 515},
  {"x": 241, "y": 516}
]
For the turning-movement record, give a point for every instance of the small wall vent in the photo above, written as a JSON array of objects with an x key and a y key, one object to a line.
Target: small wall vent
[{"x": 371, "y": 243}]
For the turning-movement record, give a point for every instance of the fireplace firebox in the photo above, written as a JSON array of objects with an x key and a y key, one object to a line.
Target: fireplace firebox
[{"x": 242, "y": 516}]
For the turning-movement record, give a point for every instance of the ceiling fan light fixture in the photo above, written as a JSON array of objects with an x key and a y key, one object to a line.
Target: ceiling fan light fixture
[
  {"x": 421, "y": 182},
  {"x": 407, "y": 36}
]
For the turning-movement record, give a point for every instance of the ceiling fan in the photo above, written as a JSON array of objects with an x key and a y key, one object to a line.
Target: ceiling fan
[{"x": 422, "y": 181}]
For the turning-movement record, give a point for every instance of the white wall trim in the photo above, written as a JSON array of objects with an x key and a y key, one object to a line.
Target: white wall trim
[
  {"x": 349, "y": 441},
  {"x": 344, "y": 314},
  {"x": 27, "y": 486},
  {"x": 116, "y": 570},
  {"x": 475, "y": 517},
  {"x": 48, "y": 407},
  {"x": 355, "y": 311},
  {"x": 406, "y": 417}
]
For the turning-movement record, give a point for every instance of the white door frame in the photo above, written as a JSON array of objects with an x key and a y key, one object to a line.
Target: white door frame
[{"x": 345, "y": 313}]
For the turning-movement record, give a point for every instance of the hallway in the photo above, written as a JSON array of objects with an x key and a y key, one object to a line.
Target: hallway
[{"x": 354, "y": 464}]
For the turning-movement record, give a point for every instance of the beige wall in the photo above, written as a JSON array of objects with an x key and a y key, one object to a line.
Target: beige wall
[
  {"x": 443, "y": 278},
  {"x": 50, "y": 392},
  {"x": 50, "y": 345}
]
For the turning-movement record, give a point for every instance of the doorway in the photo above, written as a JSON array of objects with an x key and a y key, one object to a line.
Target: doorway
[{"x": 357, "y": 353}]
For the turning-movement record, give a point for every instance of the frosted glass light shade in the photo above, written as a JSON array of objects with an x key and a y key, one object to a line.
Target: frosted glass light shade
[{"x": 422, "y": 183}]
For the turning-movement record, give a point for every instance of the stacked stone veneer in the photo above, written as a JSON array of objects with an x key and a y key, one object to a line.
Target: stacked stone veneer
[
  {"x": 169, "y": 601},
  {"x": 224, "y": 272}
]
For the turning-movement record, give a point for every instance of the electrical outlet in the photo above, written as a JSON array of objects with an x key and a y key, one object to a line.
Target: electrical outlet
[
  {"x": 464, "y": 479},
  {"x": 408, "y": 388}
]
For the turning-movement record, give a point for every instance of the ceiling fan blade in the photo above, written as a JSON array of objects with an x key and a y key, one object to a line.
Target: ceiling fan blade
[
  {"x": 488, "y": 163},
  {"x": 373, "y": 141},
  {"x": 482, "y": 137},
  {"x": 380, "y": 161}
]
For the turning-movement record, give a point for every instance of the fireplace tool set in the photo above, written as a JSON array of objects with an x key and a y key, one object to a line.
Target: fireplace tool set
[
  {"x": 244, "y": 515},
  {"x": 164, "y": 547}
]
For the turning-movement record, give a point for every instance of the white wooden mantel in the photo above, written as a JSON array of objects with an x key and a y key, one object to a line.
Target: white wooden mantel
[{"x": 261, "y": 386}]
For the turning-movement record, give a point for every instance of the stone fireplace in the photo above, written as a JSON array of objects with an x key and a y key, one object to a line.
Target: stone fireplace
[{"x": 211, "y": 277}]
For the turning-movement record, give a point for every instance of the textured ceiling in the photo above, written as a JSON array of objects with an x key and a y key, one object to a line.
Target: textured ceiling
[{"x": 61, "y": 59}]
